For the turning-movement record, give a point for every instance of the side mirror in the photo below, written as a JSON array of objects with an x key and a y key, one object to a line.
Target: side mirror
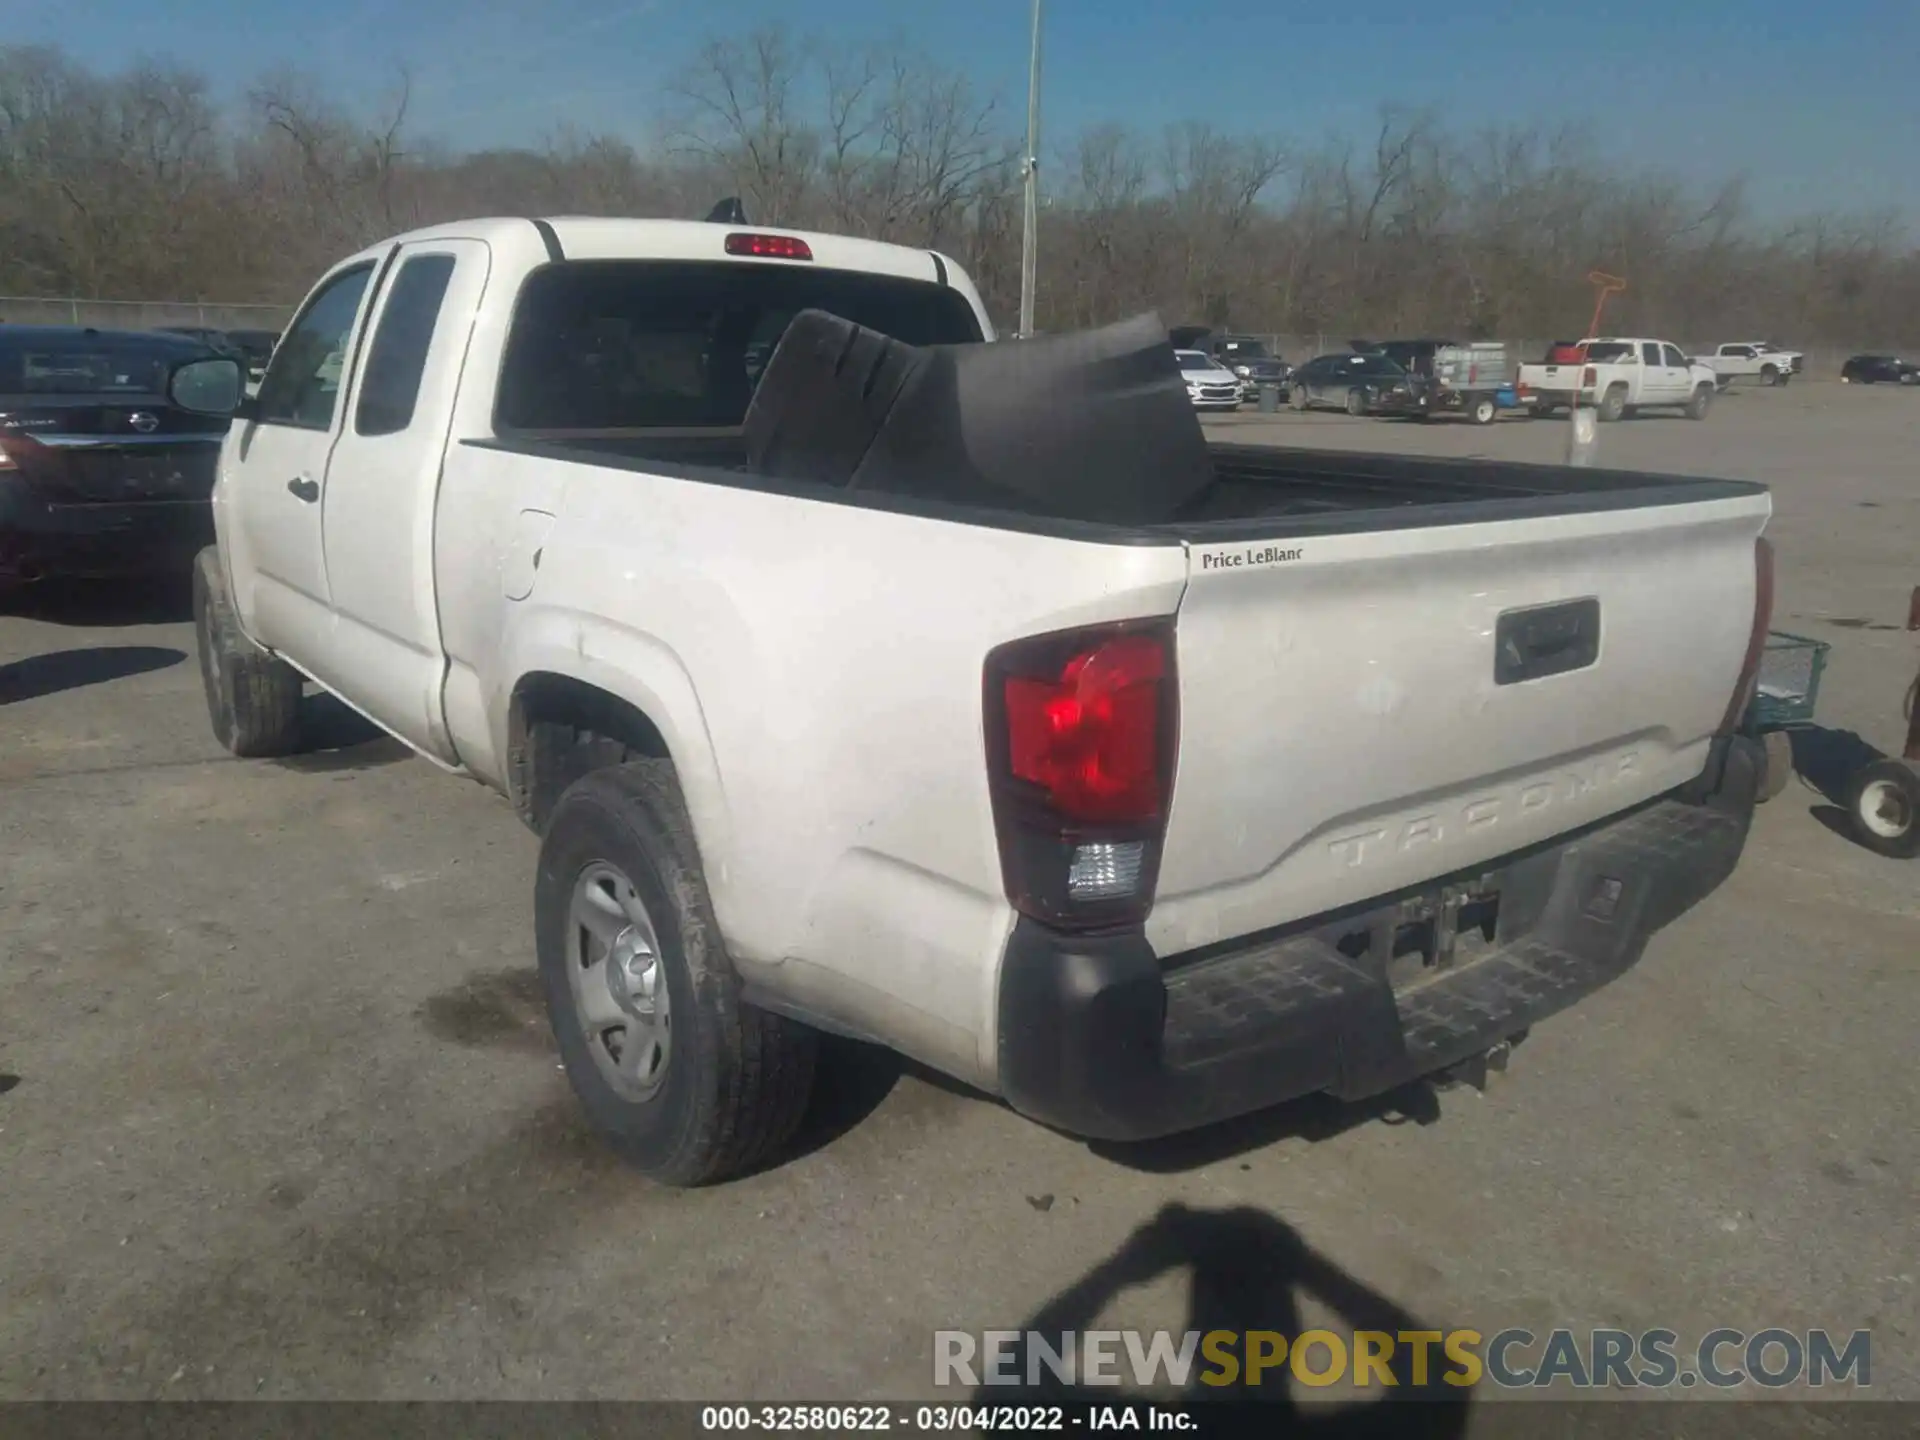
[{"x": 213, "y": 386}]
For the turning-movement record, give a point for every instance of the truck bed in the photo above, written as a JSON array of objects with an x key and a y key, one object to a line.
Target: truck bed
[{"x": 1315, "y": 492}]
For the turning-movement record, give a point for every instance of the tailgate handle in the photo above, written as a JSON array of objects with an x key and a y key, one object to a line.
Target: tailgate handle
[{"x": 1546, "y": 640}]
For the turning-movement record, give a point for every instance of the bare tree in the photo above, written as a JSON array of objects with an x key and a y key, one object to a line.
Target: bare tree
[{"x": 136, "y": 185}]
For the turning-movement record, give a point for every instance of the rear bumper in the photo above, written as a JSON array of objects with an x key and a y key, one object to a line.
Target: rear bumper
[
  {"x": 41, "y": 537},
  {"x": 1100, "y": 1038}
]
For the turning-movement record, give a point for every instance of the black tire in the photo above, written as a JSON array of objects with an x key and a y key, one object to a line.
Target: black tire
[
  {"x": 1297, "y": 398},
  {"x": 1483, "y": 411},
  {"x": 1907, "y": 379},
  {"x": 1701, "y": 402},
  {"x": 1883, "y": 806},
  {"x": 1769, "y": 374},
  {"x": 1356, "y": 402},
  {"x": 1612, "y": 405},
  {"x": 253, "y": 699},
  {"x": 1541, "y": 412},
  {"x": 737, "y": 1079}
]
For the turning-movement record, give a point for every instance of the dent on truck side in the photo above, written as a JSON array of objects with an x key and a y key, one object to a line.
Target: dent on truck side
[{"x": 634, "y": 667}]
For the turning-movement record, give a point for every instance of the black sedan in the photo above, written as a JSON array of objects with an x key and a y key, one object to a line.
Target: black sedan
[
  {"x": 1359, "y": 385},
  {"x": 1879, "y": 370},
  {"x": 102, "y": 472}
]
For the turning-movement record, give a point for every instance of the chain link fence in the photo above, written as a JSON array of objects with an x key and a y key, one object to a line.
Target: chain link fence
[{"x": 141, "y": 314}]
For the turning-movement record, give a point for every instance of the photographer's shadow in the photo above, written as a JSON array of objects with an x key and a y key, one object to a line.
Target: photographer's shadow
[{"x": 1248, "y": 1271}]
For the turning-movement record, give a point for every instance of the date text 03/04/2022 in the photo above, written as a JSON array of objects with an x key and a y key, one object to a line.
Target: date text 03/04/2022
[
  {"x": 1237, "y": 559},
  {"x": 935, "y": 1419}
]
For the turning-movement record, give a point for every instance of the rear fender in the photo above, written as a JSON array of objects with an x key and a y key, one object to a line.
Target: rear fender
[{"x": 638, "y": 668}]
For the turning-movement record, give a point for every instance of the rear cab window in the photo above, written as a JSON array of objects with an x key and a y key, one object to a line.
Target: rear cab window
[
  {"x": 621, "y": 345},
  {"x": 390, "y": 379}
]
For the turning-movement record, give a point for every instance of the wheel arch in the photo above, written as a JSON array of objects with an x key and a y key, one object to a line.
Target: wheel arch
[{"x": 620, "y": 684}]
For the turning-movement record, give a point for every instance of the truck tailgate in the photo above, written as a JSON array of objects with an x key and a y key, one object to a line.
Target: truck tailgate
[
  {"x": 1550, "y": 377},
  {"x": 1344, "y": 732}
]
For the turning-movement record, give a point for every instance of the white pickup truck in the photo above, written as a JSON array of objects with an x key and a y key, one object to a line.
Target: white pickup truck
[
  {"x": 1617, "y": 377},
  {"x": 1751, "y": 360},
  {"x": 959, "y": 696}
]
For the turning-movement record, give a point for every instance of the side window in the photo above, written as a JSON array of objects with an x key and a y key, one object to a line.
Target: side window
[
  {"x": 1649, "y": 354},
  {"x": 390, "y": 380},
  {"x": 302, "y": 385},
  {"x": 1674, "y": 357}
]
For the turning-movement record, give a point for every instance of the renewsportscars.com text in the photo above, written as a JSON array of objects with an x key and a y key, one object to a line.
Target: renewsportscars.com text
[{"x": 1511, "y": 1359}]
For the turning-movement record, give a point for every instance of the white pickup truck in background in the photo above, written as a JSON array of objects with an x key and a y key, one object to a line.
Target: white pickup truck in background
[
  {"x": 1750, "y": 360},
  {"x": 959, "y": 696},
  {"x": 1618, "y": 377}
]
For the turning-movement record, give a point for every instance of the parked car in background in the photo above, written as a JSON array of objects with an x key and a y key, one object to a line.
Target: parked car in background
[
  {"x": 1250, "y": 359},
  {"x": 1798, "y": 357},
  {"x": 1247, "y": 356},
  {"x": 1879, "y": 370},
  {"x": 101, "y": 474},
  {"x": 1750, "y": 360},
  {"x": 256, "y": 347},
  {"x": 1210, "y": 385},
  {"x": 1359, "y": 385},
  {"x": 1617, "y": 377},
  {"x": 1474, "y": 379},
  {"x": 207, "y": 335}
]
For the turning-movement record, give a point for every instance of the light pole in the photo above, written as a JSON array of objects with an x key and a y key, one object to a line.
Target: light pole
[{"x": 1030, "y": 175}]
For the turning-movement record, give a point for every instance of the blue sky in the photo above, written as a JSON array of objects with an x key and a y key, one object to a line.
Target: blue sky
[{"x": 1817, "y": 102}]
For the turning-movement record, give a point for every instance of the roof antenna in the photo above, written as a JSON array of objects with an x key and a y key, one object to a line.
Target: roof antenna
[{"x": 728, "y": 212}]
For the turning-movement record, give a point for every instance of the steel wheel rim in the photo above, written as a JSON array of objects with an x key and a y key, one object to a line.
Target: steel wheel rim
[
  {"x": 618, "y": 981},
  {"x": 1886, "y": 810}
]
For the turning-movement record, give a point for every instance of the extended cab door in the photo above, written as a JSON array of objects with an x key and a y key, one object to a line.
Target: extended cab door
[
  {"x": 383, "y": 652},
  {"x": 275, "y": 470}
]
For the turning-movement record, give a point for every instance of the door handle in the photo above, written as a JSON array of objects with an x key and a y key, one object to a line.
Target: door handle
[{"x": 304, "y": 488}]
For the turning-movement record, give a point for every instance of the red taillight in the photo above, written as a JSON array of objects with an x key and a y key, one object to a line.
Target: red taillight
[
  {"x": 1089, "y": 736},
  {"x": 1080, "y": 745},
  {"x": 1756, "y": 637},
  {"x": 14, "y": 448},
  {"x": 768, "y": 247}
]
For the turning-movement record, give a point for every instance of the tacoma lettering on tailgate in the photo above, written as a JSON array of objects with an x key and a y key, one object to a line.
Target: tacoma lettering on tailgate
[{"x": 1481, "y": 813}]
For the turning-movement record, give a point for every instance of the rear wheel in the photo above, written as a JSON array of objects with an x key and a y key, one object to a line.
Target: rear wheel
[
  {"x": 1297, "y": 398},
  {"x": 1484, "y": 411},
  {"x": 686, "y": 1079},
  {"x": 253, "y": 699},
  {"x": 1701, "y": 402},
  {"x": 1356, "y": 402},
  {"x": 1613, "y": 404},
  {"x": 1883, "y": 802}
]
